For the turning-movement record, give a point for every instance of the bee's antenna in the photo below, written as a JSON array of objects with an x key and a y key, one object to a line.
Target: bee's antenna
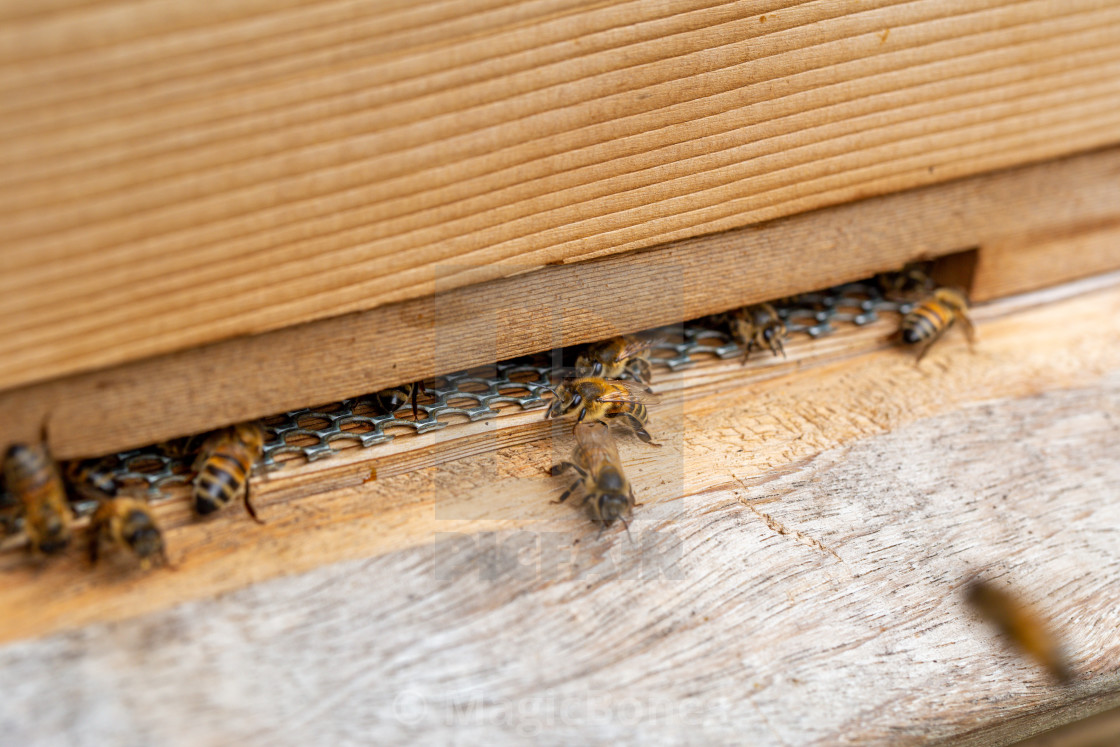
[{"x": 626, "y": 524}]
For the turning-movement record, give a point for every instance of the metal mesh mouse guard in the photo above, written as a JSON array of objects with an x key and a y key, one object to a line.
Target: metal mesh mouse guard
[{"x": 316, "y": 433}]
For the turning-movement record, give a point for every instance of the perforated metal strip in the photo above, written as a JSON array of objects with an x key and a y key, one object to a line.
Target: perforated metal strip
[{"x": 317, "y": 433}]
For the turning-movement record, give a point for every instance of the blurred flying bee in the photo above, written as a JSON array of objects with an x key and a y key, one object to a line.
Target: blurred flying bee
[
  {"x": 34, "y": 480},
  {"x": 617, "y": 357},
  {"x": 604, "y": 400},
  {"x": 908, "y": 283},
  {"x": 595, "y": 459},
  {"x": 932, "y": 318},
  {"x": 127, "y": 523},
  {"x": 391, "y": 400},
  {"x": 1020, "y": 624},
  {"x": 757, "y": 326},
  {"x": 223, "y": 466}
]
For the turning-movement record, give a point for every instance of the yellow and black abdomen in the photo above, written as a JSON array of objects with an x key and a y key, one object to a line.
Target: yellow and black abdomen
[
  {"x": 222, "y": 478},
  {"x": 926, "y": 321},
  {"x": 635, "y": 409}
]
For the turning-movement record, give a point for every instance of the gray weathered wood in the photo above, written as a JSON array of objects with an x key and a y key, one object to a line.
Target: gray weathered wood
[{"x": 819, "y": 605}]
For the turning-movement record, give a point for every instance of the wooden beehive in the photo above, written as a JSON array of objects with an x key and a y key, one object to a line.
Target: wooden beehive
[{"x": 215, "y": 213}]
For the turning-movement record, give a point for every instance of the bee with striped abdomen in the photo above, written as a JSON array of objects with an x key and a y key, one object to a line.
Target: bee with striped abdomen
[
  {"x": 224, "y": 464},
  {"x": 391, "y": 400},
  {"x": 758, "y": 326},
  {"x": 595, "y": 459},
  {"x": 1020, "y": 624},
  {"x": 928, "y": 321},
  {"x": 127, "y": 523},
  {"x": 604, "y": 400},
  {"x": 34, "y": 480},
  {"x": 91, "y": 478},
  {"x": 617, "y": 357}
]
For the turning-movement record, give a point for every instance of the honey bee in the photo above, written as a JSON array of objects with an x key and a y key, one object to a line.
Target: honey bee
[
  {"x": 127, "y": 523},
  {"x": 223, "y": 466},
  {"x": 34, "y": 480},
  {"x": 391, "y": 400},
  {"x": 91, "y": 478},
  {"x": 1020, "y": 624},
  {"x": 603, "y": 399},
  {"x": 758, "y": 326},
  {"x": 929, "y": 320},
  {"x": 912, "y": 280},
  {"x": 595, "y": 459},
  {"x": 617, "y": 357}
]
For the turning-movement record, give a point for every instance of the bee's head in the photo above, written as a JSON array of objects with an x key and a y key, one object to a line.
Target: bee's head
[
  {"x": 18, "y": 451},
  {"x": 251, "y": 434},
  {"x": 561, "y": 398},
  {"x": 612, "y": 506}
]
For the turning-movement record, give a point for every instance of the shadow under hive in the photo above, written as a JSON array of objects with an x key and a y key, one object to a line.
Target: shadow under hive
[{"x": 316, "y": 433}]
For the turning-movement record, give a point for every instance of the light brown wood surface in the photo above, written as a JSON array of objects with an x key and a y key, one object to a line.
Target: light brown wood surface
[
  {"x": 794, "y": 577},
  {"x": 145, "y": 402},
  {"x": 176, "y": 174},
  {"x": 1011, "y": 265}
]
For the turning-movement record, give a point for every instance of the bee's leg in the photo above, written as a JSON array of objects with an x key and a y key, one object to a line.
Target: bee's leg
[
  {"x": 94, "y": 545},
  {"x": 626, "y": 524},
  {"x": 571, "y": 489},
  {"x": 929, "y": 344},
  {"x": 561, "y": 466},
  {"x": 969, "y": 329},
  {"x": 248, "y": 504},
  {"x": 639, "y": 429},
  {"x": 582, "y": 415},
  {"x": 777, "y": 347}
]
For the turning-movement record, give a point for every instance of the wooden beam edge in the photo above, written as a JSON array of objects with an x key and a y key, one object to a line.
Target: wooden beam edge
[{"x": 192, "y": 391}]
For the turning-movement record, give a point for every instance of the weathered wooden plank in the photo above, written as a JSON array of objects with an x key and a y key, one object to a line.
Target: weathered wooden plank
[
  {"x": 172, "y": 178},
  {"x": 817, "y": 605},
  {"x": 141, "y": 403},
  {"x": 1026, "y": 265},
  {"x": 725, "y": 427}
]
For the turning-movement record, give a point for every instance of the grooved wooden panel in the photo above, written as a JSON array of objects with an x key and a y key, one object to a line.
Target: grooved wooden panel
[
  {"x": 142, "y": 402},
  {"x": 174, "y": 174}
]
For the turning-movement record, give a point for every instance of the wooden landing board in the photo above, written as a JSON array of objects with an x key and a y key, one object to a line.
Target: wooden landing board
[
  {"x": 175, "y": 177},
  {"x": 794, "y": 577},
  {"x": 142, "y": 403}
]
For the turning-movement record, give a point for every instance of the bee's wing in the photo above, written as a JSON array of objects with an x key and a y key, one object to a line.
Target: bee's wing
[
  {"x": 629, "y": 391},
  {"x": 636, "y": 346},
  {"x": 594, "y": 434}
]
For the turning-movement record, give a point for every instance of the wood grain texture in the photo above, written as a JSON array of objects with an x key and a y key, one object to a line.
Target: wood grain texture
[
  {"x": 176, "y": 176},
  {"x": 811, "y": 602},
  {"x": 730, "y": 432},
  {"x": 1025, "y": 265},
  {"x": 144, "y": 402},
  {"x": 1099, "y": 730}
]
